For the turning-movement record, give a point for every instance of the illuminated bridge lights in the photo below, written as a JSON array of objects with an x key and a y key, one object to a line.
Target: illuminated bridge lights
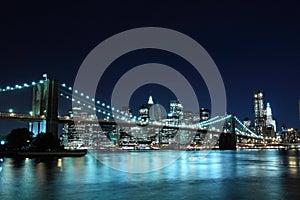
[
  {"x": 88, "y": 97},
  {"x": 19, "y": 86},
  {"x": 210, "y": 120},
  {"x": 108, "y": 113},
  {"x": 105, "y": 109},
  {"x": 246, "y": 128}
]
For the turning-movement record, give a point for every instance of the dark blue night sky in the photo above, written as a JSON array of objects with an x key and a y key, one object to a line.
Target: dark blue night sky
[{"x": 255, "y": 45}]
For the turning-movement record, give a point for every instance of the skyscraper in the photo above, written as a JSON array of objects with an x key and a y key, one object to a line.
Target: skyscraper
[
  {"x": 259, "y": 112},
  {"x": 187, "y": 117},
  {"x": 176, "y": 112},
  {"x": 176, "y": 109},
  {"x": 150, "y": 111},
  {"x": 269, "y": 118},
  {"x": 144, "y": 113},
  {"x": 204, "y": 114}
]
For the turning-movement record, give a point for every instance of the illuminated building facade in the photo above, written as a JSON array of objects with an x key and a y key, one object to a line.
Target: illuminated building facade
[
  {"x": 144, "y": 111},
  {"x": 259, "y": 112},
  {"x": 269, "y": 118},
  {"x": 204, "y": 114},
  {"x": 247, "y": 122},
  {"x": 85, "y": 133},
  {"x": 176, "y": 109},
  {"x": 188, "y": 117}
]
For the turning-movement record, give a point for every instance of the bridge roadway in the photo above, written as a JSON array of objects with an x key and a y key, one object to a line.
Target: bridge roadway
[
  {"x": 152, "y": 125},
  {"x": 21, "y": 117}
]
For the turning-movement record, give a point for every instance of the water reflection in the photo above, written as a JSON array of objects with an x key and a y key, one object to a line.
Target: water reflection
[
  {"x": 137, "y": 162},
  {"x": 264, "y": 174}
]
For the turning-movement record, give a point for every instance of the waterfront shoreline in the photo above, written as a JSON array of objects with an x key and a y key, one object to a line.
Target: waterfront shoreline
[{"x": 32, "y": 154}]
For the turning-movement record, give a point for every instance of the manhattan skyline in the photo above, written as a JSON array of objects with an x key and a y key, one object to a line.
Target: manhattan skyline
[{"x": 254, "y": 45}]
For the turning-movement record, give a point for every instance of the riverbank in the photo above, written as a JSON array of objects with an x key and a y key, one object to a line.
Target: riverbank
[{"x": 31, "y": 154}]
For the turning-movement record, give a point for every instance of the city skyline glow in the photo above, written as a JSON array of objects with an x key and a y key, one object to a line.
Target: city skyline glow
[{"x": 256, "y": 48}]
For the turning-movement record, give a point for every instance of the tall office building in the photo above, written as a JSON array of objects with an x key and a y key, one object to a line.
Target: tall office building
[
  {"x": 204, "y": 114},
  {"x": 150, "y": 111},
  {"x": 85, "y": 133},
  {"x": 144, "y": 113},
  {"x": 259, "y": 112},
  {"x": 269, "y": 118},
  {"x": 247, "y": 122},
  {"x": 155, "y": 112},
  {"x": 188, "y": 117},
  {"x": 176, "y": 109}
]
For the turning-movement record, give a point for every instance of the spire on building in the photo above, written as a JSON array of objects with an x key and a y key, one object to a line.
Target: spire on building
[
  {"x": 150, "y": 101},
  {"x": 268, "y": 110}
]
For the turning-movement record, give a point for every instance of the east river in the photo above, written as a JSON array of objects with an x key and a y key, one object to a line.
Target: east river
[{"x": 242, "y": 174}]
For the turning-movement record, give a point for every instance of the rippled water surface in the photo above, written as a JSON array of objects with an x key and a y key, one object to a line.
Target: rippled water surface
[{"x": 265, "y": 174}]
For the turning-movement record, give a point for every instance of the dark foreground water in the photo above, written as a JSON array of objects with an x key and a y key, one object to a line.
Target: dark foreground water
[{"x": 265, "y": 174}]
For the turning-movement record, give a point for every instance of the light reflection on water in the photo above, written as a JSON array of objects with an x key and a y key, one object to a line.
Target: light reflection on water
[
  {"x": 267, "y": 174},
  {"x": 137, "y": 161}
]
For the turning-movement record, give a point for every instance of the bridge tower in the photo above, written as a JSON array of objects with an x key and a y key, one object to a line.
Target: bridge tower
[
  {"x": 45, "y": 103},
  {"x": 227, "y": 140}
]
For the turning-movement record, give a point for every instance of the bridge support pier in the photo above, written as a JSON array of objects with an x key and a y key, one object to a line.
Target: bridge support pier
[
  {"x": 227, "y": 141},
  {"x": 45, "y": 103}
]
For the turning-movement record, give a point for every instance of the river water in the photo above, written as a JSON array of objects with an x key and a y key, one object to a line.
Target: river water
[{"x": 243, "y": 174}]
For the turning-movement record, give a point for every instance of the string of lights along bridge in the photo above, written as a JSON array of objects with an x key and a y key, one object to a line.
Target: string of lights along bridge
[{"x": 43, "y": 116}]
